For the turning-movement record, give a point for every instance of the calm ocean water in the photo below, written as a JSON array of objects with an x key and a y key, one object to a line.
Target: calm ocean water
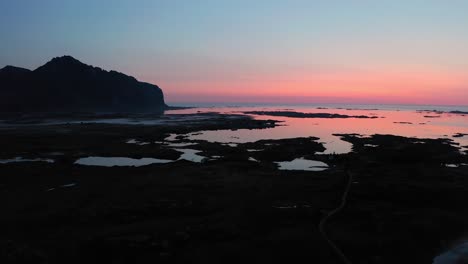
[
  {"x": 446, "y": 108},
  {"x": 402, "y": 120}
]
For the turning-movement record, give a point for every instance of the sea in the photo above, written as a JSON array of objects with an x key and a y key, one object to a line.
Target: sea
[{"x": 419, "y": 121}]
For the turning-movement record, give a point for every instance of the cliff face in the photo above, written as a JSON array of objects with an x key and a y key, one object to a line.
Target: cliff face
[{"x": 65, "y": 84}]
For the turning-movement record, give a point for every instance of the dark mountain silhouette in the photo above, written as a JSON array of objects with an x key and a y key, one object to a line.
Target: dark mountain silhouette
[{"x": 68, "y": 85}]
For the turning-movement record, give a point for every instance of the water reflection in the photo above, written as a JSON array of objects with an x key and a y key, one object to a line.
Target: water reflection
[
  {"x": 134, "y": 141},
  {"x": 118, "y": 161},
  {"x": 20, "y": 159},
  {"x": 253, "y": 159},
  {"x": 191, "y": 155},
  {"x": 444, "y": 126},
  {"x": 302, "y": 164},
  {"x": 179, "y": 145},
  {"x": 187, "y": 154}
]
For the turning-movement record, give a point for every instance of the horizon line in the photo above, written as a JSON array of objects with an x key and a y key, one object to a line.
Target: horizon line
[{"x": 311, "y": 103}]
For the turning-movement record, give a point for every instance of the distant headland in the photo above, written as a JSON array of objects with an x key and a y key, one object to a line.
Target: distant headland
[{"x": 65, "y": 84}]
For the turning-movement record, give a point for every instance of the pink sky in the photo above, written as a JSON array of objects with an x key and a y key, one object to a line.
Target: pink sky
[{"x": 411, "y": 86}]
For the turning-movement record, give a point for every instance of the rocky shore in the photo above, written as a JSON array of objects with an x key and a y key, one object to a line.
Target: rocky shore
[{"x": 305, "y": 115}]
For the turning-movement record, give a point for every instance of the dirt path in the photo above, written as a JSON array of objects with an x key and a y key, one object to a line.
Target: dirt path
[{"x": 332, "y": 213}]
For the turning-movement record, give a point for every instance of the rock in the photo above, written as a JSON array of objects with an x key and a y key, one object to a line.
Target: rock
[{"x": 304, "y": 115}]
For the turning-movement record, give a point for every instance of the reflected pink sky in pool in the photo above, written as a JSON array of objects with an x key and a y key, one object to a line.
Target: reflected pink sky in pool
[{"x": 409, "y": 123}]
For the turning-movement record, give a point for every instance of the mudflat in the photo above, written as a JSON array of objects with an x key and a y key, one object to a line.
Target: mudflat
[{"x": 406, "y": 201}]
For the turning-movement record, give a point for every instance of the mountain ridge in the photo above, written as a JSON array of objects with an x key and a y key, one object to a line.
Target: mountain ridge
[{"x": 67, "y": 84}]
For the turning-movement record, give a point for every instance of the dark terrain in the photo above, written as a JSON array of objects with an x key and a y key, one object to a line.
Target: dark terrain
[
  {"x": 404, "y": 206},
  {"x": 305, "y": 115}
]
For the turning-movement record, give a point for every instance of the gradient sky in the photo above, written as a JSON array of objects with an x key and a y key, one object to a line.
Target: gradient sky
[{"x": 295, "y": 51}]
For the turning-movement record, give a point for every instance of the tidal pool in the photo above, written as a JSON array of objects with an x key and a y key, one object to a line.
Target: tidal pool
[
  {"x": 180, "y": 145},
  {"x": 20, "y": 159},
  {"x": 187, "y": 154},
  {"x": 119, "y": 161},
  {"x": 253, "y": 159},
  {"x": 455, "y": 165},
  {"x": 134, "y": 141},
  {"x": 302, "y": 164},
  {"x": 191, "y": 155}
]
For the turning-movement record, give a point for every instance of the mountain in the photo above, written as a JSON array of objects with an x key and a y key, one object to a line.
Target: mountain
[{"x": 65, "y": 84}]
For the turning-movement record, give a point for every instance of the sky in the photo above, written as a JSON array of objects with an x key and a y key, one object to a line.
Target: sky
[{"x": 269, "y": 51}]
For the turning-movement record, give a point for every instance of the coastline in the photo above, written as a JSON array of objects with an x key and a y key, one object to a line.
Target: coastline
[{"x": 243, "y": 207}]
